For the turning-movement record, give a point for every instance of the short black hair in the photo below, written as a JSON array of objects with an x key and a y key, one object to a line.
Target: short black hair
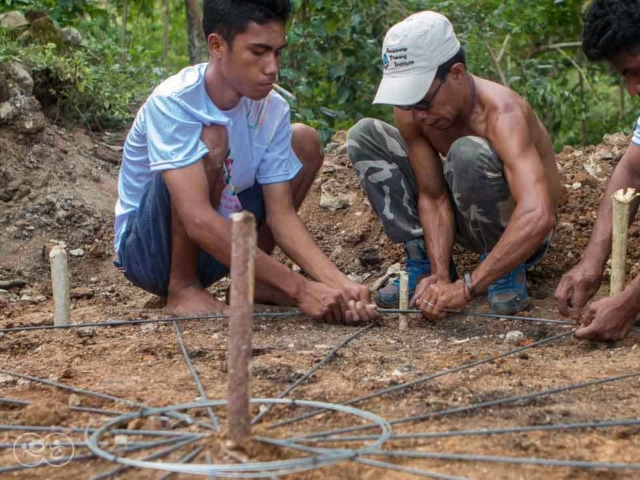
[
  {"x": 231, "y": 17},
  {"x": 611, "y": 27},
  {"x": 443, "y": 69}
]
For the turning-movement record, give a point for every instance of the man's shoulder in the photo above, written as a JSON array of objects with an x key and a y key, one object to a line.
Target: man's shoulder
[{"x": 182, "y": 82}]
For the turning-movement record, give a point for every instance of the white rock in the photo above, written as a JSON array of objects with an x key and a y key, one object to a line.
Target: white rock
[
  {"x": 40, "y": 298},
  {"x": 26, "y": 298},
  {"x": 355, "y": 278},
  {"x": 334, "y": 197},
  {"x": 149, "y": 327},
  {"x": 74, "y": 400},
  {"x": 13, "y": 21},
  {"x": 121, "y": 440},
  {"x": 78, "y": 252},
  {"x": 7, "y": 380},
  {"x": 513, "y": 337}
]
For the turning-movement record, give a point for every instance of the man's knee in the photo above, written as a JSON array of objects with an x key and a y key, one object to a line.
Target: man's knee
[
  {"x": 216, "y": 139},
  {"x": 472, "y": 159},
  {"x": 307, "y": 145},
  {"x": 357, "y": 134}
]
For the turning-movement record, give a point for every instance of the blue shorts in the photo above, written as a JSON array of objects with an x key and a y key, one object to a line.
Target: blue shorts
[{"x": 144, "y": 254}]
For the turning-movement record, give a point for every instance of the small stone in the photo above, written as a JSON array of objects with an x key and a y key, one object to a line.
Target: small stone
[
  {"x": 397, "y": 373},
  {"x": 81, "y": 292},
  {"x": 78, "y": 252},
  {"x": 26, "y": 299},
  {"x": 514, "y": 337},
  {"x": 334, "y": 197},
  {"x": 74, "y": 400},
  {"x": 22, "y": 77},
  {"x": 121, "y": 439},
  {"x": 87, "y": 332},
  {"x": 93, "y": 280},
  {"x": 13, "y": 21},
  {"x": 7, "y": 380},
  {"x": 355, "y": 278},
  {"x": 39, "y": 298},
  {"x": 71, "y": 36},
  {"x": 135, "y": 424},
  {"x": 148, "y": 327}
]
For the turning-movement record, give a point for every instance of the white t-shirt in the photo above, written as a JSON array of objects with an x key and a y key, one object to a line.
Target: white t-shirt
[
  {"x": 636, "y": 134},
  {"x": 166, "y": 135}
]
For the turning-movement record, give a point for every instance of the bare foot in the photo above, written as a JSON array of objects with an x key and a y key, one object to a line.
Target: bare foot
[
  {"x": 266, "y": 295},
  {"x": 192, "y": 301}
]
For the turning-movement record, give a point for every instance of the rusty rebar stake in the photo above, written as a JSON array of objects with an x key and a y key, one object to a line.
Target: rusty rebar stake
[{"x": 243, "y": 239}]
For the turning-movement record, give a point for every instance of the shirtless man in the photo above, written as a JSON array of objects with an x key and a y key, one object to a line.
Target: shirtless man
[
  {"x": 469, "y": 162},
  {"x": 212, "y": 140},
  {"x": 611, "y": 33}
]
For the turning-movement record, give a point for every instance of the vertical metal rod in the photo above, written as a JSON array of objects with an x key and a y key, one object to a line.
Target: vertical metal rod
[{"x": 242, "y": 285}]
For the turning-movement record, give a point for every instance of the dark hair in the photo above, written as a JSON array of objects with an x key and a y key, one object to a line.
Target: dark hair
[
  {"x": 459, "y": 57},
  {"x": 611, "y": 27},
  {"x": 231, "y": 17}
]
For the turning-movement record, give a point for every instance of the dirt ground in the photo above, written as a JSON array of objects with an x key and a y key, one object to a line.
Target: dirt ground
[{"x": 60, "y": 185}]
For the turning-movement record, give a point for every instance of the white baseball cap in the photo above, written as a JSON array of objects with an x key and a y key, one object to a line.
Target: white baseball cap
[{"x": 411, "y": 54}]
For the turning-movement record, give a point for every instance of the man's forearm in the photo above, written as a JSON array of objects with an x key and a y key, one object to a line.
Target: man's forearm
[
  {"x": 213, "y": 235},
  {"x": 525, "y": 233},
  {"x": 438, "y": 224},
  {"x": 293, "y": 238},
  {"x": 599, "y": 247},
  {"x": 631, "y": 294}
]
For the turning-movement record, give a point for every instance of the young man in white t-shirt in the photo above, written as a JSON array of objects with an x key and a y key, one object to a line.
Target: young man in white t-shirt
[
  {"x": 215, "y": 139},
  {"x": 611, "y": 33}
]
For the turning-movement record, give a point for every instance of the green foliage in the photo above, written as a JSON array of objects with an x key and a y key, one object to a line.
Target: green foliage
[
  {"x": 332, "y": 64},
  {"x": 88, "y": 84}
]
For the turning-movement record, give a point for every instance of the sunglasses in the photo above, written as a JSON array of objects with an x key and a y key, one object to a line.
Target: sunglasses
[{"x": 424, "y": 104}]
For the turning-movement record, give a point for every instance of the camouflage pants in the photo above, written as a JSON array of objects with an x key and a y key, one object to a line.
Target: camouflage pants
[{"x": 479, "y": 192}]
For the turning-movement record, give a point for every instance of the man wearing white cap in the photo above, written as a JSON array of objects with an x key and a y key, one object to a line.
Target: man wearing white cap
[{"x": 469, "y": 163}]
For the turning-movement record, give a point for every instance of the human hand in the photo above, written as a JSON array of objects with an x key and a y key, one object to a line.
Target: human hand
[
  {"x": 436, "y": 296},
  {"x": 607, "y": 320},
  {"x": 358, "y": 297},
  {"x": 577, "y": 287},
  {"x": 322, "y": 302}
]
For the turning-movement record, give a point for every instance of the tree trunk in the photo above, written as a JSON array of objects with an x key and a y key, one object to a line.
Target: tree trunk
[
  {"x": 165, "y": 30},
  {"x": 123, "y": 34},
  {"x": 197, "y": 44}
]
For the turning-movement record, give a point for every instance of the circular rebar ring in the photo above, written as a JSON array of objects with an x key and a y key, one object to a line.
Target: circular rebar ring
[{"x": 245, "y": 470}]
